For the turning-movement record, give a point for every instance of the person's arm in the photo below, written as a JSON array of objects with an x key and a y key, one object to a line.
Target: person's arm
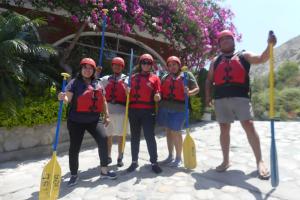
[
  {"x": 68, "y": 94},
  {"x": 208, "y": 84},
  {"x": 157, "y": 89},
  {"x": 258, "y": 59},
  {"x": 193, "y": 85},
  {"x": 106, "y": 119}
]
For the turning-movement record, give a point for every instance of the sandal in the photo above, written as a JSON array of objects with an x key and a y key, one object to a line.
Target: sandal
[{"x": 222, "y": 167}]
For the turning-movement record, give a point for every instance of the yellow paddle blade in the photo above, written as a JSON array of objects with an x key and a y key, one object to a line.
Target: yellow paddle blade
[
  {"x": 125, "y": 123},
  {"x": 51, "y": 178},
  {"x": 189, "y": 152}
]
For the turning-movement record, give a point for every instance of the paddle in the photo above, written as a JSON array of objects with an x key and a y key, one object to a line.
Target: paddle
[
  {"x": 51, "y": 176},
  {"x": 102, "y": 43},
  {"x": 189, "y": 149},
  {"x": 125, "y": 121},
  {"x": 274, "y": 162}
]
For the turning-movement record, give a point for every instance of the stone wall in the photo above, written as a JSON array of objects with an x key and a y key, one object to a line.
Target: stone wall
[{"x": 23, "y": 143}]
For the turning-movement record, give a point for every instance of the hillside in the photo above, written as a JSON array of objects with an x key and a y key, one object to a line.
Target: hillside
[{"x": 289, "y": 51}]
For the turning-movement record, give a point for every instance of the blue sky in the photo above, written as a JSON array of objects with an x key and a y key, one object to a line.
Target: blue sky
[{"x": 254, "y": 18}]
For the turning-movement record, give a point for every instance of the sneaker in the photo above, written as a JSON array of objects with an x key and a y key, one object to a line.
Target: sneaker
[
  {"x": 176, "y": 163},
  {"x": 109, "y": 175},
  {"x": 167, "y": 160},
  {"x": 73, "y": 180},
  {"x": 132, "y": 167},
  {"x": 155, "y": 168},
  {"x": 109, "y": 160},
  {"x": 120, "y": 162}
]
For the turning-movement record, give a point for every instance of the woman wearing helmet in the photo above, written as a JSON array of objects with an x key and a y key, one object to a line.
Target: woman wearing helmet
[
  {"x": 116, "y": 97},
  {"x": 87, "y": 101},
  {"x": 144, "y": 92},
  {"x": 171, "y": 108}
]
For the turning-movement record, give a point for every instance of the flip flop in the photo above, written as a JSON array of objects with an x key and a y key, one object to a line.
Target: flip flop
[
  {"x": 263, "y": 172},
  {"x": 222, "y": 168},
  {"x": 262, "y": 176}
]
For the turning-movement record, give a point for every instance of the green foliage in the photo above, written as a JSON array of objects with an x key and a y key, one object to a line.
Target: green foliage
[
  {"x": 35, "y": 111},
  {"x": 197, "y": 108},
  {"x": 286, "y": 72},
  {"x": 198, "y": 101},
  {"x": 287, "y": 93},
  {"x": 27, "y": 66},
  {"x": 290, "y": 102}
]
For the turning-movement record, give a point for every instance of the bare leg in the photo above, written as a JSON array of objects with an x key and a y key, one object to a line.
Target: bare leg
[
  {"x": 170, "y": 141},
  {"x": 225, "y": 143},
  {"x": 120, "y": 140},
  {"x": 177, "y": 141},
  {"x": 109, "y": 145},
  {"x": 170, "y": 144},
  {"x": 178, "y": 144},
  {"x": 254, "y": 142}
]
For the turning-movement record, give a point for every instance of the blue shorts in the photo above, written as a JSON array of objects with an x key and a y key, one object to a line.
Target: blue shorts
[{"x": 171, "y": 119}]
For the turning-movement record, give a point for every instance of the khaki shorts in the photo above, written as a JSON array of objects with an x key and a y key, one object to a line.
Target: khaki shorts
[{"x": 233, "y": 108}]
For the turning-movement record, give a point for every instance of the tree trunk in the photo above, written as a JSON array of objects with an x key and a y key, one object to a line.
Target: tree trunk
[{"x": 68, "y": 51}]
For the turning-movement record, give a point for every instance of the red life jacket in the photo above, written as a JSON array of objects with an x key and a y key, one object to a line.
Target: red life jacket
[
  {"x": 172, "y": 88},
  {"x": 91, "y": 100},
  {"x": 115, "y": 91},
  {"x": 142, "y": 91},
  {"x": 230, "y": 71}
]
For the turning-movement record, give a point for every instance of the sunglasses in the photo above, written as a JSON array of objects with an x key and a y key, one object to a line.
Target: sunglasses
[{"x": 146, "y": 62}]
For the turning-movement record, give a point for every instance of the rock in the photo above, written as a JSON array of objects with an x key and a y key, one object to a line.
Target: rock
[
  {"x": 1, "y": 135},
  {"x": 229, "y": 189},
  {"x": 205, "y": 194},
  {"x": 181, "y": 197},
  {"x": 126, "y": 195},
  {"x": 46, "y": 139},
  {"x": 11, "y": 143},
  {"x": 165, "y": 189},
  {"x": 29, "y": 141}
]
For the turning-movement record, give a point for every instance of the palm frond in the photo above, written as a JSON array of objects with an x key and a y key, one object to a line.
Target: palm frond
[
  {"x": 27, "y": 66},
  {"x": 10, "y": 90},
  {"x": 38, "y": 22},
  {"x": 43, "y": 52},
  {"x": 3, "y": 20},
  {"x": 12, "y": 25},
  {"x": 16, "y": 47}
]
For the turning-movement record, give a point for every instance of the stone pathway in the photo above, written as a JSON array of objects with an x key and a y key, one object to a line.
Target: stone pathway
[{"x": 20, "y": 180}]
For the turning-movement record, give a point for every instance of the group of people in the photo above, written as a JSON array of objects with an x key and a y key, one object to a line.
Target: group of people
[{"x": 89, "y": 96}]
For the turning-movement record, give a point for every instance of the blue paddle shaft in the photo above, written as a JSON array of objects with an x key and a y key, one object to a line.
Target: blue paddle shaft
[
  {"x": 274, "y": 162},
  {"x": 59, "y": 117},
  {"x": 130, "y": 67},
  {"x": 102, "y": 41}
]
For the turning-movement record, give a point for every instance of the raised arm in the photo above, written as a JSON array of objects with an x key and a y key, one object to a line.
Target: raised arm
[{"x": 258, "y": 59}]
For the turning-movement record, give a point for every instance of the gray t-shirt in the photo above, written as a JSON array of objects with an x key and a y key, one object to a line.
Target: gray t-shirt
[{"x": 174, "y": 105}]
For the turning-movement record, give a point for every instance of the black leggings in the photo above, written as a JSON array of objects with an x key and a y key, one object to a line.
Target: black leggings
[
  {"x": 145, "y": 118},
  {"x": 76, "y": 132}
]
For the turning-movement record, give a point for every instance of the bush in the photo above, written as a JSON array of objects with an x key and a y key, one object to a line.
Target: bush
[
  {"x": 290, "y": 102},
  {"x": 287, "y": 93},
  {"x": 197, "y": 110},
  {"x": 35, "y": 111}
]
